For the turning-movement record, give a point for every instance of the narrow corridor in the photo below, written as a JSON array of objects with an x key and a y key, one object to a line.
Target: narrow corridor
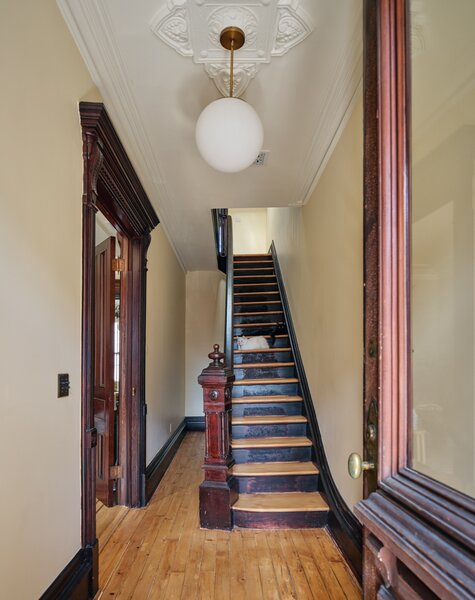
[{"x": 161, "y": 553}]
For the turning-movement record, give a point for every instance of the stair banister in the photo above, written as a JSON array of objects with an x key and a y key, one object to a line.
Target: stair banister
[
  {"x": 228, "y": 335},
  {"x": 217, "y": 491}
]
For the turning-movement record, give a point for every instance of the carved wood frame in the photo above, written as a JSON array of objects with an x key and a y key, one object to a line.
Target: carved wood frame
[
  {"x": 111, "y": 185},
  {"x": 419, "y": 535}
]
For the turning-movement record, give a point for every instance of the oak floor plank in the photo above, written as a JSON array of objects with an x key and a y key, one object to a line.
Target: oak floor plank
[
  {"x": 252, "y": 575},
  {"x": 223, "y": 567},
  {"x": 270, "y": 590},
  {"x": 332, "y": 585},
  {"x": 283, "y": 578},
  {"x": 238, "y": 570},
  {"x": 312, "y": 573},
  {"x": 296, "y": 570}
]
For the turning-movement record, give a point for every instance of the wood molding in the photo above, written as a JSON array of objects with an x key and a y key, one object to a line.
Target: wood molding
[
  {"x": 343, "y": 525},
  {"x": 420, "y": 532},
  {"x": 195, "y": 423},
  {"x": 75, "y": 582},
  {"x": 160, "y": 462},
  {"x": 111, "y": 185}
]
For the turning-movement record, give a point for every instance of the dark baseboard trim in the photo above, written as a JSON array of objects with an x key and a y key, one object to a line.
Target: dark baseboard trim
[
  {"x": 343, "y": 525},
  {"x": 159, "y": 463},
  {"x": 195, "y": 423},
  {"x": 78, "y": 580}
]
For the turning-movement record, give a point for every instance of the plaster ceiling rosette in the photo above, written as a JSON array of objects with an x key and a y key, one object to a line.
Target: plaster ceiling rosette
[{"x": 193, "y": 27}]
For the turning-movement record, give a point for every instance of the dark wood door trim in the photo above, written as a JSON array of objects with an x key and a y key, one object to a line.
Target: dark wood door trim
[
  {"x": 418, "y": 534},
  {"x": 111, "y": 185}
]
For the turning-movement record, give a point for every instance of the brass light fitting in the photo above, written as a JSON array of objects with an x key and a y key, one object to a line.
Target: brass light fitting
[{"x": 232, "y": 38}]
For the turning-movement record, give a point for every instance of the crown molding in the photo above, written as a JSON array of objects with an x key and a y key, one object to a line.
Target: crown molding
[
  {"x": 90, "y": 28},
  {"x": 337, "y": 109}
]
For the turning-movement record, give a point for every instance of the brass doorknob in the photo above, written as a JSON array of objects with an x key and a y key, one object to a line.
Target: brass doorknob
[{"x": 356, "y": 465}]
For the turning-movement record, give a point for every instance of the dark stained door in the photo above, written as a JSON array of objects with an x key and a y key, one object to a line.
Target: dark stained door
[{"x": 104, "y": 369}]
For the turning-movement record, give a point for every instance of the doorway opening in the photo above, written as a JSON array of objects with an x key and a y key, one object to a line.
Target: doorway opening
[{"x": 117, "y": 220}]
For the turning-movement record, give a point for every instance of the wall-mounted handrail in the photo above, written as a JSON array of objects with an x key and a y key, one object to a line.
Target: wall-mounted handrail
[{"x": 228, "y": 333}]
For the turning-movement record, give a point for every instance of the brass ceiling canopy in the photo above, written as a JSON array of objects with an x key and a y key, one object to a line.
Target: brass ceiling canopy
[{"x": 232, "y": 38}]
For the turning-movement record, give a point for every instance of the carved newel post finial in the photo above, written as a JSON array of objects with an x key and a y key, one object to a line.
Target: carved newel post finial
[
  {"x": 216, "y": 357},
  {"x": 217, "y": 492}
]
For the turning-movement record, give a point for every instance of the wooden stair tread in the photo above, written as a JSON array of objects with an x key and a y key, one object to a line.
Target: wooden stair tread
[
  {"x": 266, "y": 399},
  {"x": 269, "y": 381},
  {"x": 255, "y": 294},
  {"x": 281, "y": 502},
  {"x": 271, "y": 442},
  {"x": 260, "y": 365},
  {"x": 268, "y": 419},
  {"x": 267, "y": 336},
  {"x": 253, "y": 285},
  {"x": 255, "y": 277},
  {"x": 266, "y": 254},
  {"x": 263, "y": 350},
  {"x": 259, "y": 302},
  {"x": 272, "y": 469},
  {"x": 252, "y": 268},
  {"x": 262, "y": 312},
  {"x": 255, "y": 324}
]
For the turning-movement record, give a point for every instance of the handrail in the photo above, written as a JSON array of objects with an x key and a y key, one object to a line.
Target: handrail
[{"x": 228, "y": 333}]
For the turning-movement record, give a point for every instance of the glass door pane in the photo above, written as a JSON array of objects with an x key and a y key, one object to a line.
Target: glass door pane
[{"x": 443, "y": 240}]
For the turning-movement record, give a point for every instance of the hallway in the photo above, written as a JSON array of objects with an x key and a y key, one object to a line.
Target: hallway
[{"x": 160, "y": 553}]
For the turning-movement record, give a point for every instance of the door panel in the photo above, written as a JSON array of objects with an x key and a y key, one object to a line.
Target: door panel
[
  {"x": 104, "y": 369},
  {"x": 419, "y": 533}
]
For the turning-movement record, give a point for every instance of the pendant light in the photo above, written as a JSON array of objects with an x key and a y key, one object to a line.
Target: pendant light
[{"x": 229, "y": 132}]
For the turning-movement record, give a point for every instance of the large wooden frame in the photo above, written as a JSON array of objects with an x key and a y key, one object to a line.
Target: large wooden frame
[
  {"x": 419, "y": 535},
  {"x": 112, "y": 186}
]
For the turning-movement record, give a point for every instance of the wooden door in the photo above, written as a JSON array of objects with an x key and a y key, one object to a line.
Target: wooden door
[
  {"x": 104, "y": 369},
  {"x": 418, "y": 530}
]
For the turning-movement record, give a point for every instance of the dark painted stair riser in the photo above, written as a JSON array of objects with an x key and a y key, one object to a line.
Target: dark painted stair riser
[
  {"x": 268, "y": 389},
  {"x": 247, "y": 296},
  {"x": 277, "y": 483},
  {"x": 255, "y": 287},
  {"x": 253, "y": 258},
  {"x": 267, "y": 409},
  {"x": 269, "y": 430},
  {"x": 245, "y": 455},
  {"x": 270, "y": 317},
  {"x": 262, "y": 307},
  {"x": 263, "y": 372},
  {"x": 251, "y": 270},
  {"x": 255, "y": 357},
  {"x": 266, "y": 329},
  {"x": 296, "y": 520},
  {"x": 280, "y": 342}
]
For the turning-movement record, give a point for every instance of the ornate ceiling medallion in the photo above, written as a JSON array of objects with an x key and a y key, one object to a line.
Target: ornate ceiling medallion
[{"x": 193, "y": 27}]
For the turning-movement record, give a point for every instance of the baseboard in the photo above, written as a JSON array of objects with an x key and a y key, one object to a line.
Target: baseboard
[
  {"x": 195, "y": 423},
  {"x": 159, "y": 464},
  {"x": 77, "y": 580},
  {"x": 343, "y": 525}
]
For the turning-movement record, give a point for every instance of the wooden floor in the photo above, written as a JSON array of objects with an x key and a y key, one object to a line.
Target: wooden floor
[{"x": 160, "y": 551}]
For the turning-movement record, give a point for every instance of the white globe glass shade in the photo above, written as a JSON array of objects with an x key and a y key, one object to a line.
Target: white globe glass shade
[{"x": 229, "y": 135}]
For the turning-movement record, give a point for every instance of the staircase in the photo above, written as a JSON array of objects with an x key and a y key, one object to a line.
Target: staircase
[{"x": 277, "y": 481}]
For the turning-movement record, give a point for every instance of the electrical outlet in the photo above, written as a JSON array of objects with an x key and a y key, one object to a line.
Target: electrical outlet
[{"x": 170, "y": 427}]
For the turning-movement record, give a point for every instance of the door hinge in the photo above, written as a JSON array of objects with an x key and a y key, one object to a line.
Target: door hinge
[
  {"x": 145, "y": 409},
  {"x": 115, "y": 472},
  {"x": 118, "y": 265},
  {"x": 91, "y": 437}
]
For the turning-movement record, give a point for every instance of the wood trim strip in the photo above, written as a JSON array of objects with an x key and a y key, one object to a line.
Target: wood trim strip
[
  {"x": 343, "y": 524},
  {"x": 75, "y": 580},
  {"x": 157, "y": 467}
]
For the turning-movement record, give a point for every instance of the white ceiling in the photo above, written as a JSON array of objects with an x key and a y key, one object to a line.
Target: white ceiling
[{"x": 154, "y": 97}]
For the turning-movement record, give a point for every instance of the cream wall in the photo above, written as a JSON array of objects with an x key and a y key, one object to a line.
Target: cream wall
[
  {"x": 249, "y": 230},
  {"x": 205, "y": 310},
  {"x": 43, "y": 79},
  {"x": 165, "y": 343},
  {"x": 320, "y": 250}
]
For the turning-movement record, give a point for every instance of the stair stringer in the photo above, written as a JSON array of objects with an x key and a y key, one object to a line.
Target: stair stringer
[{"x": 342, "y": 523}]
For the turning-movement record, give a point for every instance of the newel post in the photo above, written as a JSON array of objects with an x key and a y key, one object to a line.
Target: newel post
[{"x": 217, "y": 492}]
